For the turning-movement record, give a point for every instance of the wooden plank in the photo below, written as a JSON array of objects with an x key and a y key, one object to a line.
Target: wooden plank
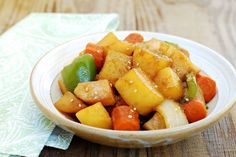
[{"x": 209, "y": 22}]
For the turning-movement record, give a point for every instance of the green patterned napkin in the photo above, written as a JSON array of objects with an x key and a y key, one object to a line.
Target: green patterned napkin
[{"x": 23, "y": 128}]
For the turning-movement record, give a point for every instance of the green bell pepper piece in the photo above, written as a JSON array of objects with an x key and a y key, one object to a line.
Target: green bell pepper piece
[
  {"x": 82, "y": 69},
  {"x": 192, "y": 88}
]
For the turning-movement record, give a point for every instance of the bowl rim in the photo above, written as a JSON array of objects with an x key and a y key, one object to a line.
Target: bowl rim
[{"x": 196, "y": 126}]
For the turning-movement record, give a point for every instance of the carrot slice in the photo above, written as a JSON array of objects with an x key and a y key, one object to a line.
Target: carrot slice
[
  {"x": 208, "y": 86},
  {"x": 194, "y": 110},
  {"x": 97, "y": 52},
  {"x": 134, "y": 38},
  {"x": 125, "y": 118}
]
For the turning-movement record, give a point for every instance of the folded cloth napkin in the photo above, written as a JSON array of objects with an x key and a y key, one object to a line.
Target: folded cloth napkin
[{"x": 23, "y": 128}]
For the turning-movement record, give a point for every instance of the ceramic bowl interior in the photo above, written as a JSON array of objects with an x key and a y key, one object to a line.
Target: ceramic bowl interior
[{"x": 46, "y": 92}]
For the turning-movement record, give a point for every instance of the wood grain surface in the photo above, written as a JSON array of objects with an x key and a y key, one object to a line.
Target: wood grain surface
[{"x": 210, "y": 22}]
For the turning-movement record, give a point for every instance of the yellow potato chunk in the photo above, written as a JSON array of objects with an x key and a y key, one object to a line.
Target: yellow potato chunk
[
  {"x": 68, "y": 103},
  {"x": 96, "y": 116},
  {"x": 182, "y": 64},
  {"x": 115, "y": 66},
  {"x": 139, "y": 91},
  {"x": 122, "y": 47},
  {"x": 109, "y": 39},
  {"x": 62, "y": 87},
  {"x": 155, "y": 123},
  {"x": 150, "y": 62},
  {"x": 169, "y": 84},
  {"x": 95, "y": 91}
]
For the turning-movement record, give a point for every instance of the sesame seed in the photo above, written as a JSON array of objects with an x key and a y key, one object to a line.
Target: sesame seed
[
  {"x": 135, "y": 90},
  {"x": 71, "y": 100},
  {"x": 86, "y": 89},
  {"x": 95, "y": 92},
  {"x": 134, "y": 108},
  {"x": 80, "y": 105},
  {"x": 131, "y": 81},
  {"x": 137, "y": 64},
  {"x": 110, "y": 84},
  {"x": 130, "y": 116},
  {"x": 155, "y": 86}
]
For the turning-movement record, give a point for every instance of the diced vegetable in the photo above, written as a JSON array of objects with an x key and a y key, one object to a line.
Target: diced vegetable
[
  {"x": 62, "y": 86},
  {"x": 125, "y": 118},
  {"x": 95, "y": 91},
  {"x": 138, "y": 91},
  {"x": 109, "y": 39},
  {"x": 194, "y": 110},
  {"x": 95, "y": 115},
  {"x": 150, "y": 62},
  {"x": 134, "y": 38},
  {"x": 182, "y": 64},
  {"x": 122, "y": 47},
  {"x": 115, "y": 66},
  {"x": 169, "y": 84},
  {"x": 155, "y": 123},
  {"x": 172, "y": 114},
  {"x": 68, "y": 103},
  {"x": 192, "y": 88},
  {"x": 97, "y": 52},
  {"x": 208, "y": 87},
  {"x": 82, "y": 69}
]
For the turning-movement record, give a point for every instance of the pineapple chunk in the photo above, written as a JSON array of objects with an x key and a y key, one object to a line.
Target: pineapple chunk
[
  {"x": 122, "y": 47},
  {"x": 172, "y": 113},
  {"x": 95, "y": 91},
  {"x": 96, "y": 116},
  {"x": 155, "y": 123},
  {"x": 150, "y": 62},
  {"x": 169, "y": 84},
  {"x": 139, "y": 91},
  {"x": 68, "y": 103},
  {"x": 115, "y": 66}
]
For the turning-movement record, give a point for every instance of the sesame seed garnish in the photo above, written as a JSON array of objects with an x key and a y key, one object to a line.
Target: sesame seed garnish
[
  {"x": 135, "y": 90},
  {"x": 71, "y": 100},
  {"x": 130, "y": 116},
  {"x": 86, "y": 89}
]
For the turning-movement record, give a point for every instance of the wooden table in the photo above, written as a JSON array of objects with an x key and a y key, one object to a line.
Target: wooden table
[{"x": 212, "y": 23}]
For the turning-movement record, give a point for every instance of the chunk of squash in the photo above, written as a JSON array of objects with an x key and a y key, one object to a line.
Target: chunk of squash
[
  {"x": 139, "y": 91},
  {"x": 115, "y": 66},
  {"x": 150, "y": 62},
  {"x": 68, "y": 103},
  {"x": 155, "y": 123},
  {"x": 172, "y": 113},
  {"x": 96, "y": 116},
  {"x": 95, "y": 91},
  {"x": 169, "y": 84}
]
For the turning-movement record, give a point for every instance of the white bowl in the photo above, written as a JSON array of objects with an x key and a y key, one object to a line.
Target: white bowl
[{"x": 45, "y": 92}]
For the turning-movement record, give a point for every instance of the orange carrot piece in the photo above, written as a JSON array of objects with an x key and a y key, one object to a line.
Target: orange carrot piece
[
  {"x": 97, "y": 52},
  {"x": 194, "y": 110},
  {"x": 134, "y": 38},
  {"x": 208, "y": 86},
  {"x": 125, "y": 118}
]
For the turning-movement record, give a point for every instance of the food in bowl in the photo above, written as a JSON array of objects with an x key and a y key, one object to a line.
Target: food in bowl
[{"x": 133, "y": 84}]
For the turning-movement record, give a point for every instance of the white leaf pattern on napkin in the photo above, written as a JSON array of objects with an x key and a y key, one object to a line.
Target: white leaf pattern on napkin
[{"x": 23, "y": 128}]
